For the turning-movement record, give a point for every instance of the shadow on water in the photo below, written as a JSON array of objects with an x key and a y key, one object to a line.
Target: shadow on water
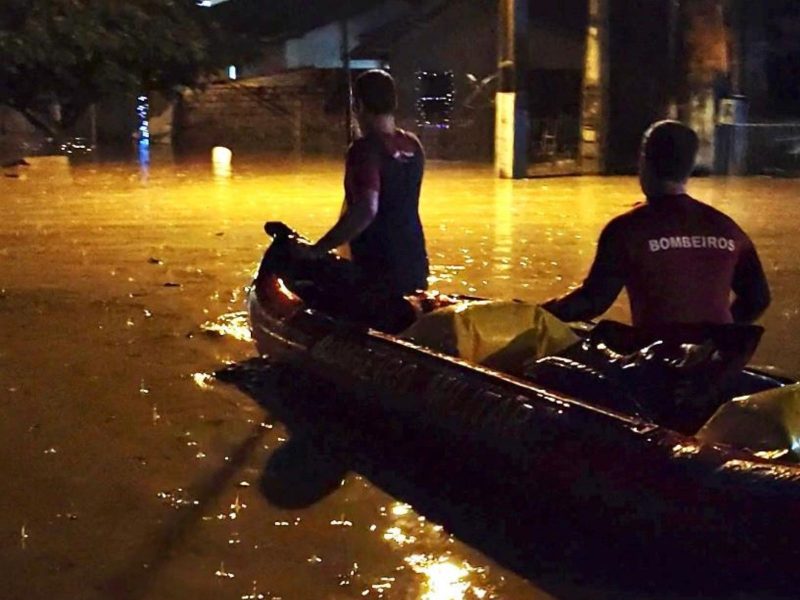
[
  {"x": 475, "y": 496},
  {"x": 134, "y": 582}
]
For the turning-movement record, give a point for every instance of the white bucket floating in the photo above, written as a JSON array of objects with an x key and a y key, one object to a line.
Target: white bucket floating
[{"x": 221, "y": 161}]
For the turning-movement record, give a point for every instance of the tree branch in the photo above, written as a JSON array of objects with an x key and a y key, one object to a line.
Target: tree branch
[{"x": 39, "y": 122}]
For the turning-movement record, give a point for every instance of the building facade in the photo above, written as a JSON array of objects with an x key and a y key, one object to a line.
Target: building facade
[{"x": 545, "y": 86}]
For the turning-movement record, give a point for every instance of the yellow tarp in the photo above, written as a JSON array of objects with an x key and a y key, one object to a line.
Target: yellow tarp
[
  {"x": 499, "y": 334},
  {"x": 764, "y": 422}
]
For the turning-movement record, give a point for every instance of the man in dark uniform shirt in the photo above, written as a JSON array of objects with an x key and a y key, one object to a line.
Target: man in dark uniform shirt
[
  {"x": 383, "y": 177},
  {"x": 678, "y": 258}
]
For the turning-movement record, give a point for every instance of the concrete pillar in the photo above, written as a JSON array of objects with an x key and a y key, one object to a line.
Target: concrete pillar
[
  {"x": 511, "y": 106},
  {"x": 345, "y": 51},
  {"x": 594, "y": 115},
  {"x": 707, "y": 46},
  {"x": 297, "y": 126}
]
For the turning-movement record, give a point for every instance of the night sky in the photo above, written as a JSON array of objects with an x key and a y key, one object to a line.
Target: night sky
[{"x": 278, "y": 17}]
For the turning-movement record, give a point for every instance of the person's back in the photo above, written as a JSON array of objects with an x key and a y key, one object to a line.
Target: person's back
[
  {"x": 383, "y": 176},
  {"x": 391, "y": 250},
  {"x": 679, "y": 259}
]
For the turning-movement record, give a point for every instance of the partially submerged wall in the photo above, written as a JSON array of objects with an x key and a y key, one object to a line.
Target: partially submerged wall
[
  {"x": 297, "y": 111},
  {"x": 18, "y": 137}
]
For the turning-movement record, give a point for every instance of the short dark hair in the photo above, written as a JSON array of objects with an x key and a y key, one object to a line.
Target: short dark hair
[
  {"x": 375, "y": 92},
  {"x": 670, "y": 148}
]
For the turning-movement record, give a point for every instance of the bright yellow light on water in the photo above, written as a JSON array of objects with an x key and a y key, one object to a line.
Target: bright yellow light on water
[
  {"x": 396, "y": 535},
  {"x": 233, "y": 325},
  {"x": 399, "y": 509},
  {"x": 203, "y": 380},
  {"x": 503, "y": 225},
  {"x": 444, "y": 579}
]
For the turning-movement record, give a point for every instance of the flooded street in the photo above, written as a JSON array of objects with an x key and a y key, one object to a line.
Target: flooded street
[{"x": 131, "y": 472}]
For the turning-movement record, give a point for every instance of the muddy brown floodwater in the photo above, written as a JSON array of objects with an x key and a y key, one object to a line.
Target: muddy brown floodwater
[{"x": 130, "y": 472}]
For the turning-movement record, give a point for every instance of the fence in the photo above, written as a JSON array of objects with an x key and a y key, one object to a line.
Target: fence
[{"x": 759, "y": 149}]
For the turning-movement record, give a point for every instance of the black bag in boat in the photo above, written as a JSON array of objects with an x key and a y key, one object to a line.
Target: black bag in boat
[{"x": 676, "y": 376}]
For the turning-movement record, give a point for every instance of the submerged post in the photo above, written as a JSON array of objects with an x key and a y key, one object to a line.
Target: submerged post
[
  {"x": 345, "y": 36},
  {"x": 511, "y": 105},
  {"x": 594, "y": 97}
]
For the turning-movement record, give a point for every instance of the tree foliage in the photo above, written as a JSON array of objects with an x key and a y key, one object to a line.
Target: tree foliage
[{"x": 72, "y": 53}]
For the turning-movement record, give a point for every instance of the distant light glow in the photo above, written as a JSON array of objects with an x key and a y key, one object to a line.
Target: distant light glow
[{"x": 232, "y": 72}]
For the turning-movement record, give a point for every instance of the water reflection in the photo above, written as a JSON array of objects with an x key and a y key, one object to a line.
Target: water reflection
[
  {"x": 234, "y": 325},
  {"x": 502, "y": 248},
  {"x": 143, "y": 156},
  {"x": 86, "y": 221},
  {"x": 444, "y": 576},
  {"x": 203, "y": 380},
  {"x": 445, "y": 579}
]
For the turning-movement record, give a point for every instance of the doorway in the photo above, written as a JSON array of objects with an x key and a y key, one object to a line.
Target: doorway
[{"x": 556, "y": 62}]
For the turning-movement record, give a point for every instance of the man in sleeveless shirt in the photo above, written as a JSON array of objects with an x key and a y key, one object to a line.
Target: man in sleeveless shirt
[
  {"x": 678, "y": 258},
  {"x": 383, "y": 177}
]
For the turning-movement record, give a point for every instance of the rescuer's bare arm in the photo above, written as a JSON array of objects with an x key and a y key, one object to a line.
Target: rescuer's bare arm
[
  {"x": 600, "y": 288},
  {"x": 354, "y": 219},
  {"x": 750, "y": 286}
]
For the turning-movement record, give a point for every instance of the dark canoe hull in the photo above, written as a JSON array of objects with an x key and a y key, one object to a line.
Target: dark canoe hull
[{"x": 607, "y": 471}]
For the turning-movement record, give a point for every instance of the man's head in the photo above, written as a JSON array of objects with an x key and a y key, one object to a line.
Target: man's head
[
  {"x": 374, "y": 93},
  {"x": 667, "y": 157}
]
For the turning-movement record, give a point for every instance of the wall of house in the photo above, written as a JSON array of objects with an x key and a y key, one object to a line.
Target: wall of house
[
  {"x": 556, "y": 48},
  {"x": 753, "y": 57},
  {"x": 640, "y": 76},
  {"x": 462, "y": 39},
  {"x": 295, "y": 111},
  {"x": 322, "y": 47},
  {"x": 769, "y": 58}
]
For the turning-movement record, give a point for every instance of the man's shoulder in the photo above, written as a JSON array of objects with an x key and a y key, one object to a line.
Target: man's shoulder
[
  {"x": 644, "y": 210},
  {"x": 363, "y": 150},
  {"x": 410, "y": 136},
  {"x": 361, "y": 145},
  {"x": 374, "y": 145},
  {"x": 637, "y": 212},
  {"x": 405, "y": 143},
  {"x": 714, "y": 214}
]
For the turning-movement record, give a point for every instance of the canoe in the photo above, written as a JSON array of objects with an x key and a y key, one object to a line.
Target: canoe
[{"x": 613, "y": 472}]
